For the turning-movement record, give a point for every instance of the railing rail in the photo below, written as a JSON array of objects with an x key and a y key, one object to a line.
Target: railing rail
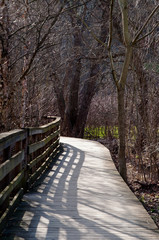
[{"x": 24, "y": 155}]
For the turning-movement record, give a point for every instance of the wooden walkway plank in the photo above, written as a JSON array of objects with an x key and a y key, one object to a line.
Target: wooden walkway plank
[{"x": 81, "y": 197}]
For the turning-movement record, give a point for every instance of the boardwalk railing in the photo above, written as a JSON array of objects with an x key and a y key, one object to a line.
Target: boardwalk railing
[{"x": 24, "y": 155}]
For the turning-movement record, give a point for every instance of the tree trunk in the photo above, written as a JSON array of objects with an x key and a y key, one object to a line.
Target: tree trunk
[
  {"x": 89, "y": 89},
  {"x": 122, "y": 132},
  {"x": 121, "y": 111},
  {"x": 143, "y": 78},
  {"x": 91, "y": 86},
  {"x": 71, "y": 106}
]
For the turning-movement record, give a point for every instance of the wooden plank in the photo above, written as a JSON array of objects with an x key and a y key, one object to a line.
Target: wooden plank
[
  {"x": 10, "y": 209},
  {"x": 14, "y": 183},
  {"x": 44, "y": 128},
  {"x": 11, "y": 163},
  {"x": 39, "y": 158},
  {"x": 35, "y": 146},
  {"x": 11, "y": 137}
]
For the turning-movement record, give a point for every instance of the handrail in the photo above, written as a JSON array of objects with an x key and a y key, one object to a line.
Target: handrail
[{"x": 24, "y": 155}]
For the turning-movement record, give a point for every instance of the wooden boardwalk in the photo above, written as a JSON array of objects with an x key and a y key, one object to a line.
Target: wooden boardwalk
[{"x": 82, "y": 196}]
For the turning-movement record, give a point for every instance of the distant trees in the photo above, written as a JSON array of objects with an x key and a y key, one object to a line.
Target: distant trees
[{"x": 25, "y": 30}]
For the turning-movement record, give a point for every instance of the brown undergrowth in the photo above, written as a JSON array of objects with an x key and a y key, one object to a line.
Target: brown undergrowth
[{"x": 146, "y": 192}]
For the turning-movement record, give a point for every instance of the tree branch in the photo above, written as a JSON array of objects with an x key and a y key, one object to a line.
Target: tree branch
[
  {"x": 110, "y": 43},
  {"x": 144, "y": 25},
  {"x": 39, "y": 45},
  {"x": 124, "y": 11},
  {"x": 147, "y": 34},
  {"x": 93, "y": 34},
  {"x": 110, "y": 24}
]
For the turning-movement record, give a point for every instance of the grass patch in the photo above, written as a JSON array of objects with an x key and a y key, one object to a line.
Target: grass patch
[{"x": 101, "y": 132}]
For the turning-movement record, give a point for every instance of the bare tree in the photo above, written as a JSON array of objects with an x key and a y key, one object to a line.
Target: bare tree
[{"x": 129, "y": 42}]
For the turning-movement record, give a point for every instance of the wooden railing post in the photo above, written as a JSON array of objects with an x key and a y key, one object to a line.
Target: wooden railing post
[{"x": 25, "y": 163}]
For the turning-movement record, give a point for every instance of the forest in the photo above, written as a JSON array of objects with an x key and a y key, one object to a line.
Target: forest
[{"x": 96, "y": 65}]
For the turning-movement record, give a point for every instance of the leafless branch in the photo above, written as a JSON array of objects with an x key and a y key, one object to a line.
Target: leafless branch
[
  {"x": 110, "y": 42},
  {"x": 144, "y": 25},
  {"x": 149, "y": 33}
]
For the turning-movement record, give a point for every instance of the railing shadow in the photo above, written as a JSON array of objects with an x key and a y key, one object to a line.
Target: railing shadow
[{"x": 50, "y": 197}]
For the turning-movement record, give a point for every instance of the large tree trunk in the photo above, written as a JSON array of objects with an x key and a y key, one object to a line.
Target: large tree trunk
[
  {"x": 71, "y": 106},
  {"x": 89, "y": 89},
  {"x": 91, "y": 86},
  {"x": 121, "y": 111},
  {"x": 68, "y": 99}
]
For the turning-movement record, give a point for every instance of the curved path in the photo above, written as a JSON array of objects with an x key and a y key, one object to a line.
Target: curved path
[{"x": 82, "y": 196}]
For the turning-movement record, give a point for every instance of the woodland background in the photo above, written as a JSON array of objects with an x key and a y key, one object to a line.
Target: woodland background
[{"x": 56, "y": 59}]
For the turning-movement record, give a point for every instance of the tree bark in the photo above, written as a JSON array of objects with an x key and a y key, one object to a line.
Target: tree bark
[
  {"x": 122, "y": 132},
  {"x": 87, "y": 93},
  {"x": 121, "y": 82},
  {"x": 143, "y": 78},
  {"x": 71, "y": 103},
  {"x": 91, "y": 86}
]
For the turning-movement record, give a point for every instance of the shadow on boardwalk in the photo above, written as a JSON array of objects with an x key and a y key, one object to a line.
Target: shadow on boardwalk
[{"x": 58, "y": 207}]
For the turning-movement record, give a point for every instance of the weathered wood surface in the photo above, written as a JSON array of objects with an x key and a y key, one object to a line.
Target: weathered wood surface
[
  {"x": 35, "y": 146},
  {"x": 81, "y": 197},
  {"x": 46, "y": 127},
  {"x": 11, "y": 163},
  {"x": 11, "y": 137}
]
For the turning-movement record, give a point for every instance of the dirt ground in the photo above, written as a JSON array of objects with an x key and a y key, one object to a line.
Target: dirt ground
[{"x": 148, "y": 194}]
